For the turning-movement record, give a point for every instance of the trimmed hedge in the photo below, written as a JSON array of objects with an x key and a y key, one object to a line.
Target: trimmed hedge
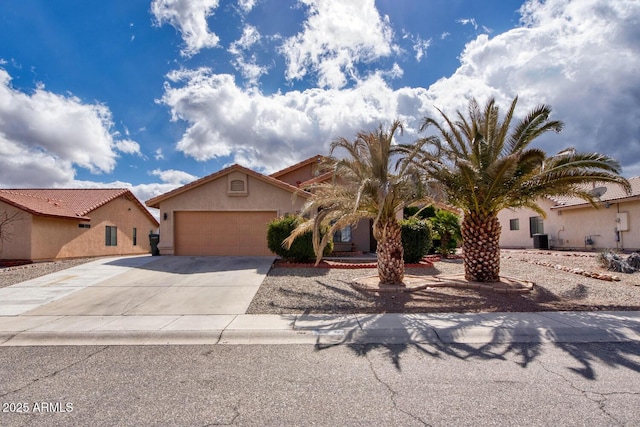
[
  {"x": 416, "y": 239},
  {"x": 302, "y": 248}
]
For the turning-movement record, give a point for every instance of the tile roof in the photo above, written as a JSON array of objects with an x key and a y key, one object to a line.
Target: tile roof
[
  {"x": 155, "y": 202},
  {"x": 65, "y": 203},
  {"x": 611, "y": 193}
]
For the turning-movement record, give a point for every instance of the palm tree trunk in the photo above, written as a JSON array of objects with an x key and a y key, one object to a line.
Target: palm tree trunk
[
  {"x": 480, "y": 244},
  {"x": 390, "y": 253}
]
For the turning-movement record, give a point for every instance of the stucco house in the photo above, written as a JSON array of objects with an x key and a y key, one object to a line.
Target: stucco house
[
  {"x": 572, "y": 223},
  {"x": 67, "y": 223},
  {"x": 227, "y": 212}
]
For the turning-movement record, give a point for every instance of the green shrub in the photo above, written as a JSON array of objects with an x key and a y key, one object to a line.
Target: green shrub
[
  {"x": 422, "y": 213},
  {"x": 302, "y": 248},
  {"x": 416, "y": 239}
]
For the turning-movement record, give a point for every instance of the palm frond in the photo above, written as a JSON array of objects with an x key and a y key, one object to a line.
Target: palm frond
[{"x": 483, "y": 164}]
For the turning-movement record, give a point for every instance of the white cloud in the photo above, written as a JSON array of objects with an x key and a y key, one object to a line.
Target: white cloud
[
  {"x": 336, "y": 37},
  {"x": 190, "y": 18},
  {"x": 248, "y": 67},
  {"x": 128, "y": 146},
  {"x": 173, "y": 176},
  {"x": 43, "y": 136},
  {"x": 468, "y": 21},
  {"x": 246, "y": 5},
  {"x": 420, "y": 47},
  {"x": 275, "y": 131},
  {"x": 158, "y": 155},
  {"x": 580, "y": 57}
]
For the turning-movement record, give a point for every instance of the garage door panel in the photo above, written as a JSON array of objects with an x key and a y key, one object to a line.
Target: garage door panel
[{"x": 222, "y": 233}]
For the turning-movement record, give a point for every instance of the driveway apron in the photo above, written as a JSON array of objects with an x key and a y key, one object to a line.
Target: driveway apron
[{"x": 142, "y": 286}]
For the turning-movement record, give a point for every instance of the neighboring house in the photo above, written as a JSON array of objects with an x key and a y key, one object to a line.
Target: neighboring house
[
  {"x": 69, "y": 223},
  {"x": 227, "y": 212},
  {"x": 572, "y": 223}
]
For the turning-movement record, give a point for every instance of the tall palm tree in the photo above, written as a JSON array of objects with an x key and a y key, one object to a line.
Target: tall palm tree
[
  {"x": 483, "y": 164},
  {"x": 369, "y": 182}
]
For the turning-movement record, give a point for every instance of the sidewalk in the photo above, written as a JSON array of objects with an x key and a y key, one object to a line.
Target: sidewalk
[{"x": 449, "y": 328}]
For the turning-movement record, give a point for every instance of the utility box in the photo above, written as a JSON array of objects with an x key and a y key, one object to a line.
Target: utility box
[
  {"x": 622, "y": 221},
  {"x": 541, "y": 241}
]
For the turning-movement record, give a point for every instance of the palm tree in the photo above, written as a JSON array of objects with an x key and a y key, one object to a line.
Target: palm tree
[
  {"x": 370, "y": 182},
  {"x": 482, "y": 165}
]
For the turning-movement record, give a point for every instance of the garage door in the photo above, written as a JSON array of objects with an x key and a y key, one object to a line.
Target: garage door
[{"x": 222, "y": 233}]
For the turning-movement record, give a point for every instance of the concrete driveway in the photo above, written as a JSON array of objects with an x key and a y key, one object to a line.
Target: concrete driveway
[{"x": 144, "y": 286}]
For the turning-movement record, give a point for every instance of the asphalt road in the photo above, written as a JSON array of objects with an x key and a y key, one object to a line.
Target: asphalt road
[{"x": 404, "y": 385}]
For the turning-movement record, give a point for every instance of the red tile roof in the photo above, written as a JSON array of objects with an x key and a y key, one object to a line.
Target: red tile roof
[
  {"x": 65, "y": 203},
  {"x": 612, "y": 193}
]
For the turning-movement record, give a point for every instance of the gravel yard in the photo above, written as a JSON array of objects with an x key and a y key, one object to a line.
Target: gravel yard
[
  {"x": 309, "y": 290},
  {"x": 322, "y": 290}
]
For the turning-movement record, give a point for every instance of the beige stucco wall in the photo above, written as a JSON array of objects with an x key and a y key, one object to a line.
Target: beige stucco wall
[
  {"x": 213, "y": 196},
  {"x": 568, "y": 228},
  {"x": 17, "y": 244},
  {"x": 61, "y": 238}
]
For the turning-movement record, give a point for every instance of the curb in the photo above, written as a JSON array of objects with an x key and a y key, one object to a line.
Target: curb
[{"x": 325, "y": 331}]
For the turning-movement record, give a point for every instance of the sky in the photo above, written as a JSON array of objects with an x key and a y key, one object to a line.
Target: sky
[{"x": 153, "y": 94}]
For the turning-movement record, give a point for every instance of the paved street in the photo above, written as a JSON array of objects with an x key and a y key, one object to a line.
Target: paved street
[{"x": 438, "y": 385}]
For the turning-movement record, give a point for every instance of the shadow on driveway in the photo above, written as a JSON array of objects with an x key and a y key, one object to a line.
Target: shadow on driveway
[{"x": 198, "y": 264}]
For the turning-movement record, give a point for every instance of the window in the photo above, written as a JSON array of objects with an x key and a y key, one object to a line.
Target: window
[
  {"x": 237, "y": 185},
  {"x": 111, "y": 236},
  {"x": 343, "y": 236},
  {"x": 535, "y": 225},
  {"x": 135, "y": 236},
  {"x": 84, "y": 225},
  {"x": 514, "y": 224}
]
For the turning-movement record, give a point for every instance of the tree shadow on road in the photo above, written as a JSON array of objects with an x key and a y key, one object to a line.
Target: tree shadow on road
[{"x": 500, "y": 336}]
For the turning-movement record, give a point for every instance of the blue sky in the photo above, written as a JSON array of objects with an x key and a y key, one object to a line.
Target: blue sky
[{"x": 150, "y": 95}]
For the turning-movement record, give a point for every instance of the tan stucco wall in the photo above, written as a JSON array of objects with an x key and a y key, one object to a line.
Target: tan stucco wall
[
  {"x": 17, "y": 245},
  {"x": 213, "y": 196},
  {"x": 60, "y": 238},
  {"x": 568, "y": 228}
]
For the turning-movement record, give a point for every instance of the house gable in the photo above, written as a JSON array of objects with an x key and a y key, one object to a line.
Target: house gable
[{"x": 236, "y": 172}]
